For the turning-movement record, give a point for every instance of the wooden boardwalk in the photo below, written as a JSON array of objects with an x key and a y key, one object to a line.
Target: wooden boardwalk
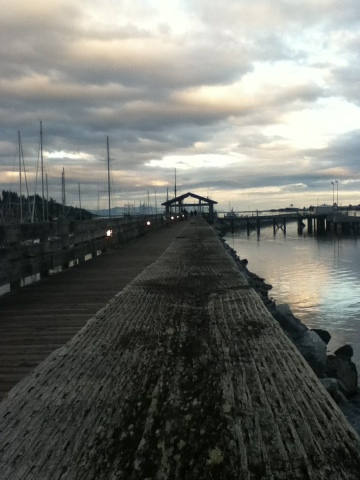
[
  {"x": 39, "y": 318},
  {"x": 184, "y": 375}
]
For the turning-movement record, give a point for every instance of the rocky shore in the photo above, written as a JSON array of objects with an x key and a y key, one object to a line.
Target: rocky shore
[{"x": 336, "y": 371}]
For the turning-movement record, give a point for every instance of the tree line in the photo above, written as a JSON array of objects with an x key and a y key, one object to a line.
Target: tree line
[{"x": 16, "y": 209}]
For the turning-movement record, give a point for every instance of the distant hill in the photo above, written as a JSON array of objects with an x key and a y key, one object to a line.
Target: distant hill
[{"x": 121, "y": 211}]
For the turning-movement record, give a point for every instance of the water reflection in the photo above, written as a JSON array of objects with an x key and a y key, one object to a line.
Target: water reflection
[{"x": 318, "y": 276}]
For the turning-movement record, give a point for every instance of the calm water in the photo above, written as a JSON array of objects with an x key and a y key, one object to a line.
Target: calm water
[{"x": 319, "y": 277}]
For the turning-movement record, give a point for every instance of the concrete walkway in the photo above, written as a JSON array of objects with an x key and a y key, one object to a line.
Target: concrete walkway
[
  {"x": 40, "y": 318},
  {"x": 183, "y": 376}
]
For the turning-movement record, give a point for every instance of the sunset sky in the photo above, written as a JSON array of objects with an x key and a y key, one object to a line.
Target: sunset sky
[{"x": 255, "y": 103}]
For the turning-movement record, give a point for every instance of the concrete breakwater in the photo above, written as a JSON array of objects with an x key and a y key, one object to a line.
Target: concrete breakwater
[
  {"x": 183, "y": 375},
  {"x": 336, "y": 371}
]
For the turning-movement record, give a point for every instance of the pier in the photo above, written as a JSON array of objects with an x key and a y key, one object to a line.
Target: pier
[
  {"x": 42, "y": 316},
  {"x": 183, "y": 374},
  {"x": 318, "y": 223}
]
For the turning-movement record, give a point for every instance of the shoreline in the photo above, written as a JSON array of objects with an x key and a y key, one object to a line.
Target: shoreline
[{"x": 336, "y": 372}]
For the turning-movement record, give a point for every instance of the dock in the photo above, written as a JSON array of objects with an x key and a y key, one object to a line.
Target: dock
[
  {"x": 318, "y": 223},
  {"x": 182, "y": 375},
  {"x": 37, "y": 319}
]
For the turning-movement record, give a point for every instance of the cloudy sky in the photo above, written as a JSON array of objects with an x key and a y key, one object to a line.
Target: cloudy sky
[{"x": 255, "y": 103}]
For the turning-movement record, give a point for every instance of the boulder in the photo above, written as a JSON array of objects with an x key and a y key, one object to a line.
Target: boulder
[
  {"x": 332, "y": 387},
  {"x": 323, "y": 334},
  {"x": 344, "y": 370},
  {"x": 290, "y": 324},
  {"x": 344, "y": 351},
  {"x": 351, "y": 410},
  {"x": 313, "y": 349},
  {"x": 285, "y": 309}
]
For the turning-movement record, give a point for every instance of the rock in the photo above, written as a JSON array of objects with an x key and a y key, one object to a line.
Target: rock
[
  {"x": 332, "y": 387},
  {"x": 351, "y": 410},
  {"x": 290, "y": 324},
  {"x": 259, "y": 284},
  {"x": 285, "y": 309},
  {"x": 344, "y": 370},
  {"x": 344, "y": 351},
  {"x": 313, "y": 349},
  {"x": 263, "y": 285},
  {"x": 323, "y": 334}
]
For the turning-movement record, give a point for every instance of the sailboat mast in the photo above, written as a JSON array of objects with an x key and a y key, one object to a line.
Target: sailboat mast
[
  {"x": 21, "y": 212},
  {"x": 63, "y": 191},
  {"x": 80, "y": 202},
  {"x": 175, "y": 182},
  {"x": 47, "y": 199},
  {"x": 108, "y": 165},
  {"x": 42, "y": 171},
  {"x": 175, "y": 188}
]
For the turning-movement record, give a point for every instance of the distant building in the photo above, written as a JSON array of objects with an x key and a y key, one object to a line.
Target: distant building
[{"x": 324, "y": 209}]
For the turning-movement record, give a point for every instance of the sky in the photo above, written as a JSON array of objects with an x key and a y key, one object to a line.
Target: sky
[{"x": 256, "y": 104}]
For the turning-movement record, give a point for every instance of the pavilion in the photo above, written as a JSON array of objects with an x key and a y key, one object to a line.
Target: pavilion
[{"x": 197, "y": 202}]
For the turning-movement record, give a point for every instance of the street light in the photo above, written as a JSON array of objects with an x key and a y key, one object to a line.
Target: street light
[
  {"x": 337, "y": 193},
  {"x": 333, "y": 184}
]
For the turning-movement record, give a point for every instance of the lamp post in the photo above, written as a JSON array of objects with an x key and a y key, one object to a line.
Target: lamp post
[
  {"x": 337, "y": 193},
  {"x": 333, "y": 184}
]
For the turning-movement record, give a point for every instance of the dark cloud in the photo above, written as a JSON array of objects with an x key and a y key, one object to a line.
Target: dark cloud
[{"x": 204, "y": 80}]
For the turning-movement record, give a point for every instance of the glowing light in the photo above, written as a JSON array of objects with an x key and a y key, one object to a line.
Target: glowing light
[{"x": 109, "y": 233}]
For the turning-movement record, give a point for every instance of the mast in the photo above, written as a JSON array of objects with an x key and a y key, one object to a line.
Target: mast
[
  {"x": 80, "y": 202},
  {"x": 22, "y": 168},
  {"x": 47, "y": 199},
  {"x": 42, "y": 171},
  {"x": 108, "y": 165},
  {"x": 175, "y": 182},
  {"x": 63, "y": 191},
  {"x": 21, "y": 212},
  {"x": 175, "y": 188}
]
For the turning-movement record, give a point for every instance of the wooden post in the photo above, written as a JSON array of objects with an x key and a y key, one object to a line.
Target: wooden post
[
  {"x": 310, "y": 224},
  {"x": 320, "y": 224},
  {"x": 300, "y": 225}
]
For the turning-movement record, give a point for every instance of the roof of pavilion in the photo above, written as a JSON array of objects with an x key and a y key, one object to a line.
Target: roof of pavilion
[{"x": 189, "y": 194}]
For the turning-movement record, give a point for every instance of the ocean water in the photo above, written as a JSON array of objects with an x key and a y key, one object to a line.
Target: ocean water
[{"x": 318, "y": 276}]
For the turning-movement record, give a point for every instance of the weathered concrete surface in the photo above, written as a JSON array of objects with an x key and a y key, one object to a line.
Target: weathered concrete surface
[
  {"x": 36, "y": 320},
  {"x": 184, "y": 375}
]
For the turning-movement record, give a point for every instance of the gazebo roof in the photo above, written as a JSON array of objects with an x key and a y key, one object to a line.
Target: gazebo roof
[{"x": 186, "y": 195}]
